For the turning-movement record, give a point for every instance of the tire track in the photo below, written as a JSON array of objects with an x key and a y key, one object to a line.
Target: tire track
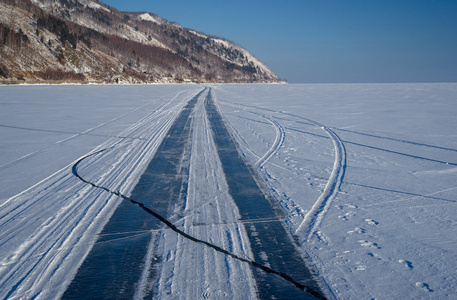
[
  {"x": 189, "y": 237},
  {"x": 112, "y": 270},
  {"x": 271, "y": 242},
  {"x": 395, "y": 139},
  {"x": 158, "y": 216},
  {"x": 315, "y": 215},
  {"x": 279, "y": 141},
  {"x": 45, "y": 230},
  {"x": 243, "y": 144},
  {"x": 73, "y": 136}
]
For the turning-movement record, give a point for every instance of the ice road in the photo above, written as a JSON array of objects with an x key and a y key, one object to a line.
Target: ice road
[{"x": 348, "y": 191}]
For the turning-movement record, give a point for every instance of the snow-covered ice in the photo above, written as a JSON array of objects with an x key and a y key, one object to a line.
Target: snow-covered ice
[
  {"x": 365, "y": 173},
  {"x": 396, "y": 201}
]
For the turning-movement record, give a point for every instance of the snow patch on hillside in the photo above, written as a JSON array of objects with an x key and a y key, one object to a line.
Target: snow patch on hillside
[
  {"x": 223, "y": 42},
  {"x": 247, "y": 55},
  {"x": 94, "y": 5},
  {"x": 148, "y": 17},
  {"x": 198, "y": 34}
]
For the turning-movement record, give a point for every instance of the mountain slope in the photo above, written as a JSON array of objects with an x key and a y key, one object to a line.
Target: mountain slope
[{"x": 88, "y": 40}]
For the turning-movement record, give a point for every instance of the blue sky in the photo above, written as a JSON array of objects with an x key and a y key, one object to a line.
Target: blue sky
[{"x": 313, "y": 41}]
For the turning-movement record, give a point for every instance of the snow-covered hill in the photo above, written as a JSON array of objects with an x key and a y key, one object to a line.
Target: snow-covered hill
[{"x": 86, "y": 39}]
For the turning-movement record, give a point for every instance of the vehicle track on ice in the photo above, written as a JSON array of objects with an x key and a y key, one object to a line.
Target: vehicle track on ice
[
  {"x": 115, "y": 265},
  {"x": 270, "y": 243},
  {"x": 46, "y": 230},
  {"x": 74, "y": 135},
  {"x": 279, "y": 141},
  {"x": 316, "y": 214}
]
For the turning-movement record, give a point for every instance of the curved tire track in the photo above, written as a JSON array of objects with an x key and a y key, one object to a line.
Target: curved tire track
[
  {"x": 314, "y": 217},
  {"x": 279, "y": 141}
]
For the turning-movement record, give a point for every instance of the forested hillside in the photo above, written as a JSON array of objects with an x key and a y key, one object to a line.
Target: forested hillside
[{"x": 86, "y": 40}]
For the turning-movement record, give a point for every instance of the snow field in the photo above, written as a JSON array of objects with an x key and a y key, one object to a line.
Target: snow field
[{"x": 388, "y": 232}]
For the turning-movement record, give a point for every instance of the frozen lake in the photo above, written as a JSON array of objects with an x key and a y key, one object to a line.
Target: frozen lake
[{"x": 364, "y": 177}]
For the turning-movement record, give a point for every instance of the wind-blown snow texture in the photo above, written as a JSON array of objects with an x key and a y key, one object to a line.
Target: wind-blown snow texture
[{"x": 366, "y": 175}]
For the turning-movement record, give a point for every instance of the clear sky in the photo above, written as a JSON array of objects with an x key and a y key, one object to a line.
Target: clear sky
[{"x": 313, "y": 41}]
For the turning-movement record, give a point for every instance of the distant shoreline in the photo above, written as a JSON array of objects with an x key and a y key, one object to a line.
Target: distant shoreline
[{"x": 83, "y": 82}]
